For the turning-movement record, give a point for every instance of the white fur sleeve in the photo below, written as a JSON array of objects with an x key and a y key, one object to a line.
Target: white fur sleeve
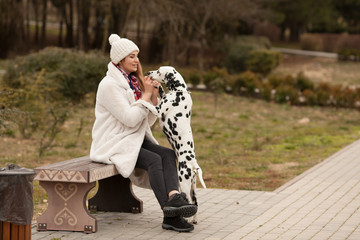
[{"x": 115, "y": 100}]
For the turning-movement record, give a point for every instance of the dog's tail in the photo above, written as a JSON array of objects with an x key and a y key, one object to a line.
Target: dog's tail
[{"x": 199, "y": 173}]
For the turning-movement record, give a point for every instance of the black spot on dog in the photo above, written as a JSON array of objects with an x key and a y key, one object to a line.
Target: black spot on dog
[
  {"x": 161, "y": 92},
  {"x": 172, "y": 127}
]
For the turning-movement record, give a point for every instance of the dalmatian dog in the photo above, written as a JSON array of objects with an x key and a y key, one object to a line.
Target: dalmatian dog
[{"x": 174, "y": 112}]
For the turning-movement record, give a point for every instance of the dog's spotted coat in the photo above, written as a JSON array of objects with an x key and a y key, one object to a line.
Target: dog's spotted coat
[{"x": 174, "y": 112}]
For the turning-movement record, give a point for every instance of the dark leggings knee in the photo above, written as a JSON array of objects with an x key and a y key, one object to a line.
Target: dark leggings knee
[{"x": 155, "y": 163}]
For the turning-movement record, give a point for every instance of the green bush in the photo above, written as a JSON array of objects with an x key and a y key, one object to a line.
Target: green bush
[
  {"x": 36, "y": 109},
  {"x": 80, "y": 75},
  {"x": 47, "y": 60},
  {"x": 235, "y": 61},
  {"x": 40, "y": 86},
  {"x": 247, "y": 83},
  {"x": 277, "y": 80},
  {"x": 287, "y": 94},
  {"x": 323, "y": 94},
  {"x": 266, "y": 91},
  {"x": 303, "y": 83},
  {"x": 71, "y": 73},
  {"x": 216, "y": 79},
  {"x": 263, "y": 61},
  {"x": 194, "y": 79},
  {"x": 344, "y": 97},
  {"x": 349, "y": 54},
  {"x": 236, "y": 51},
  {"x": 310, "y": 97}
]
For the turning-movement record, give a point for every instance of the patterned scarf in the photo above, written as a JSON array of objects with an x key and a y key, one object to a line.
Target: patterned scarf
[{"x": 134, "y": 85}]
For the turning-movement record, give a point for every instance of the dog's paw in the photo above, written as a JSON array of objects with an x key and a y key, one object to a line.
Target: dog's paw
[{"x": 192, "y": 220}]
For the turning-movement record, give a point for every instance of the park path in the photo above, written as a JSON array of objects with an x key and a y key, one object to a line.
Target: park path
[{"x": 322, "y": 203}]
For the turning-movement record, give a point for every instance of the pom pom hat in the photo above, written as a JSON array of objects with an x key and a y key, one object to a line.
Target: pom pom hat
[{"x": 120, "y": 48}]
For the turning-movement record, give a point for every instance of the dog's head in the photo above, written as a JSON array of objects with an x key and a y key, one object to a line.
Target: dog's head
[{"x": 170, "y": 77}]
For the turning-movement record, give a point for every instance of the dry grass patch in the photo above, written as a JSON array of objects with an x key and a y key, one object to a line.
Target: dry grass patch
[{"x": 321, "y": 69}]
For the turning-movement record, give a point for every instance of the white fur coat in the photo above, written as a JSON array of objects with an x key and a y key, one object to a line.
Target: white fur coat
[{"x": 121, "y": 124}]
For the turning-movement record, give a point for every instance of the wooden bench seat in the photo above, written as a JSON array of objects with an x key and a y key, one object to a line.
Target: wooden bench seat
[{"x": 68, "y": 183}]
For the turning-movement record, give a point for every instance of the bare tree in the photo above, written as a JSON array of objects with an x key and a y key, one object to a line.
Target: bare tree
[
  {"x": 35, "y": 4},
  {"x": 44, "y": 20},
  {"x": 190, "y": 24},
  {"x": 65, "y": 9},
  {"x": 83, "y": 13},
  {"x": 106, "y": 25},
  {"x": 116, "y": 17},
  {"x": 11, "y": 25}
]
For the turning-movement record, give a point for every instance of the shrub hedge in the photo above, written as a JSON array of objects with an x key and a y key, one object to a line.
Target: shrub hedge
[
  {"x": 349, "y": 54},
  {"x": 236, "y": 51},
  {"x": 38, "y": 90},
  {"x": 71, "y": 74},
  {"x": 263, "y": 61},
  {"x": 298, "y": 90}
]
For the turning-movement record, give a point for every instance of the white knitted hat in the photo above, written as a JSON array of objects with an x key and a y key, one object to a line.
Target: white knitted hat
[{"x": 120, "y": 48}]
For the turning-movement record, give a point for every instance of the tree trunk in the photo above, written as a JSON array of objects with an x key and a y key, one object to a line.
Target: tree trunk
[
  {"x": 60, "y": 39},
  {"x": 294, "y": 33},
  {"x": 36, "y": 12},
  {"x": 27, "y": 18},
  {"x": 9, "y": 22},
  {"x": 202, "y": 39},
  {"x": 99, "y": 25},
  {"x": 43, "y": 29},
  {"x": 106, "y": 27},
  {"x": 85, "y": 24},
  {"x": 282, "y": 33},
  {"x": 69, "y": 24}
]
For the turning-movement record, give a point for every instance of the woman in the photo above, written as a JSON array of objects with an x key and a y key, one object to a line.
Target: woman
[{"x": 122, "y": 136}]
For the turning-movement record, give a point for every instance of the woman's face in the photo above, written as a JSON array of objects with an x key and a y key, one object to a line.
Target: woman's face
[{"x": 130, "y": 63}]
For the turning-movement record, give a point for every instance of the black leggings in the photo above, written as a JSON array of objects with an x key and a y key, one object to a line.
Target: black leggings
[{"x": 160, "y": 163}]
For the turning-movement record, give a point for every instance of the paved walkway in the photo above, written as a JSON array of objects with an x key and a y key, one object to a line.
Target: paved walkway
[
  {"x": 322, "y": 203},
  {"x": 306, "y": 53}
]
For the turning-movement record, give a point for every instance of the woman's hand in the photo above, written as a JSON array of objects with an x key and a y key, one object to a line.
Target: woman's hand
[
  {"x": 149, "y": 88},
  {"x": 155, "y": 92}
]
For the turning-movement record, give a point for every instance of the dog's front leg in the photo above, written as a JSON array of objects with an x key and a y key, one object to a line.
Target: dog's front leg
[
  {"x": 161, "y": 95},
  {"x": 194, "y": 219}
]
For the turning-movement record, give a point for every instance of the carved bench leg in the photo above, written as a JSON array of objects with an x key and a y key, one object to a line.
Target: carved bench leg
[
  {"x": 115, "y": 194},
  {"x": 67, "y": 207}
]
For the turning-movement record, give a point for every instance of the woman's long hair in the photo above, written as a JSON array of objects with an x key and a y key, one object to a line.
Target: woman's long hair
[{"x": 140, "y": 76}]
